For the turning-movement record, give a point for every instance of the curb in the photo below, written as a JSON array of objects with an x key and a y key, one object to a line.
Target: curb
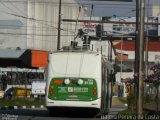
[{"x": 21, "y": 107}]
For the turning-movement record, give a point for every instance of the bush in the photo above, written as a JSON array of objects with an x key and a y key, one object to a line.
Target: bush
[
  {"x": 131, "y": 99},
  {"x": 148, "y": 98}
]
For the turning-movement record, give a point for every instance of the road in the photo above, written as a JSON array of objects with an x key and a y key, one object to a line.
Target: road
[{"x": 42, "y": 114}]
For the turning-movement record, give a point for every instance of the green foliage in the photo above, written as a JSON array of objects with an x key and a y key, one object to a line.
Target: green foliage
[
  {"x": 148, "y": 98},
  {"x": 21, "y": 102}
]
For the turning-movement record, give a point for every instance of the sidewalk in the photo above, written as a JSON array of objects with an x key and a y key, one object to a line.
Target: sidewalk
[
  {"x": 117, "y": 106},
  {"x": 116, "y": 102}
]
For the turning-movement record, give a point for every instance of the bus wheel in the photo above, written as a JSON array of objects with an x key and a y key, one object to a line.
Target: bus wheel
[{"x": 51, "y": 112}]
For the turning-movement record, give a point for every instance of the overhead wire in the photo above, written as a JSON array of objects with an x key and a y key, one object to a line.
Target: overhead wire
[
  {"x": 31, "y": 34},
  {"x": 50, "y": 26},
  {"x": 82, "y": 54},
  {"x": 11, "y": 2},
  {"x": 24, "y": 17},
  {"x": 34, "y": 18},
  {"x": 81, "y": 3},
  {"x": 7, "y": 6},
  {"x": 34, "y": 34}
]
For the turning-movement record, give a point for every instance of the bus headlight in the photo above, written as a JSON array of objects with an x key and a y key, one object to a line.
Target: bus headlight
[
  {"x": 80, "y": 81},
  {"x": 66, "y": 81}
]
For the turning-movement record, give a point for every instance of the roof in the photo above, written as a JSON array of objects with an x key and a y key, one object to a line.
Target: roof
[
  {"x": 11, "y": 53},
  {"x": 153, "y": 46},
  {"x": 23, "y": 58},
  {"x": 10, "y": 24}
]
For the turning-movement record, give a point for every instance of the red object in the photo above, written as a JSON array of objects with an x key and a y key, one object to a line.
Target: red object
[
  {"x": 58, "y": 81},
  {"x": 39, "y": 58},
  {"x": 130, "y": 46},
  {"x": 121, "y": 56},
  {"x": 51, "y": 87},
  {"x": 73, "y": 81},
  {"x": 94, "y": 93},
  {"x": 94, "y": 88},
  {"x": 50, "y": 92}
]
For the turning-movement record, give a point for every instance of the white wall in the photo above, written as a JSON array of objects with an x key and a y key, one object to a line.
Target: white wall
[
  {"x": 13, "y": 24},
  {"x": 39, "y": 26},
  {"x": 156, "y": 12},
  {"x": 131, "y": 55},
  {"x": 104, "y": 45},
  {"x": 44, "y": 35},
  {"x": 123, "y": 75}
]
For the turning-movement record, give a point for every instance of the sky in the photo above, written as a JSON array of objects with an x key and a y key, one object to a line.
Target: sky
[
  {"x": 101, "y": 7},
  {"x": 110, "y": 8}
]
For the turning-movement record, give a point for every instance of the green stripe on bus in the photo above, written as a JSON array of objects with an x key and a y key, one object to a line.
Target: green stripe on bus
[{"x": 72, "y": 92}]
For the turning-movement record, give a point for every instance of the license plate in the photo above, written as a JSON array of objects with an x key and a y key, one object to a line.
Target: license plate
[{"x": 73, "y": 96}]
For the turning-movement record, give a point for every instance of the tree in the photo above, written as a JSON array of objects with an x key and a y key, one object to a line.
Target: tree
[{"x": 154, "y": 79}]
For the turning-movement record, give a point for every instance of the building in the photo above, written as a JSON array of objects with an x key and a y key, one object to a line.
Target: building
[
  {"x": 33, "y": 24},
  {"x": 28, "y": 25},
  {"x": 45, "y": 13},
  {"x": 128, "y": 29},
  {"x": 28, "y": 31},
  {"x": 126, "y": 58}
]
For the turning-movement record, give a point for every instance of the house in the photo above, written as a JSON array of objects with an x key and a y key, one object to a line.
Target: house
[{"x": 125, "y": 50}]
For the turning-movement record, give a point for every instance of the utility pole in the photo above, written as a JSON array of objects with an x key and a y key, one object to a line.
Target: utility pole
[
  {"x": 113, "y": 22},
  {"x": 136, "y": 70},
  {"x": 146, "y": 42},
  {"x": 59, "y": 26},
  {"x": 141, "y": 59}
]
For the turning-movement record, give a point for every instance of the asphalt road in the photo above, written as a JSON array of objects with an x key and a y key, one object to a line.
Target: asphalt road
[
  {"x": 42, "y": 114},
  {"x": 38, "y": 114}
]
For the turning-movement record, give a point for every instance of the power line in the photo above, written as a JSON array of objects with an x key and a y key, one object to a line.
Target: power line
[
  {"x": 15, "y": 7},
  {"x": 31, "y": 34},
  {"x": 24, "y": 17},
  {"x": 36, "y": 26},
  {"x": 115, "y": 22},
  {"x": 6, "y": 6},
  {"x": 80, "y": 3},
  {"x": 50, "y": 26},
  {"x": 30, "y": 38}
]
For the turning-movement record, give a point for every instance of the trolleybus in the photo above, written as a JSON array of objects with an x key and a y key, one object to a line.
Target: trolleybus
[{"x": 79, "y": 81}]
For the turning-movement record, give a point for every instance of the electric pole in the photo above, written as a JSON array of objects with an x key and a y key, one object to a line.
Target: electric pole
[
  {"x": 113, "y": 22},
  {"x": 136, "y": 70},
  {"x": 141, "y": 59},
  {"x": 59, "y": 26}
]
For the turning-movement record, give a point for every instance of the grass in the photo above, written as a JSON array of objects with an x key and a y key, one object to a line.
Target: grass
[{"x": 21, "y": 102}]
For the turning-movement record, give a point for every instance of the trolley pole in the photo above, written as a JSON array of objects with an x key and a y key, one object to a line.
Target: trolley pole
[
  {"x": 141, "y": 59},
  {"x": 59, "y": 25}
]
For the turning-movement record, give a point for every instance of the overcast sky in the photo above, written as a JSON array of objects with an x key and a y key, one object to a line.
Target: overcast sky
[{"x": 110, "y": 8}]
